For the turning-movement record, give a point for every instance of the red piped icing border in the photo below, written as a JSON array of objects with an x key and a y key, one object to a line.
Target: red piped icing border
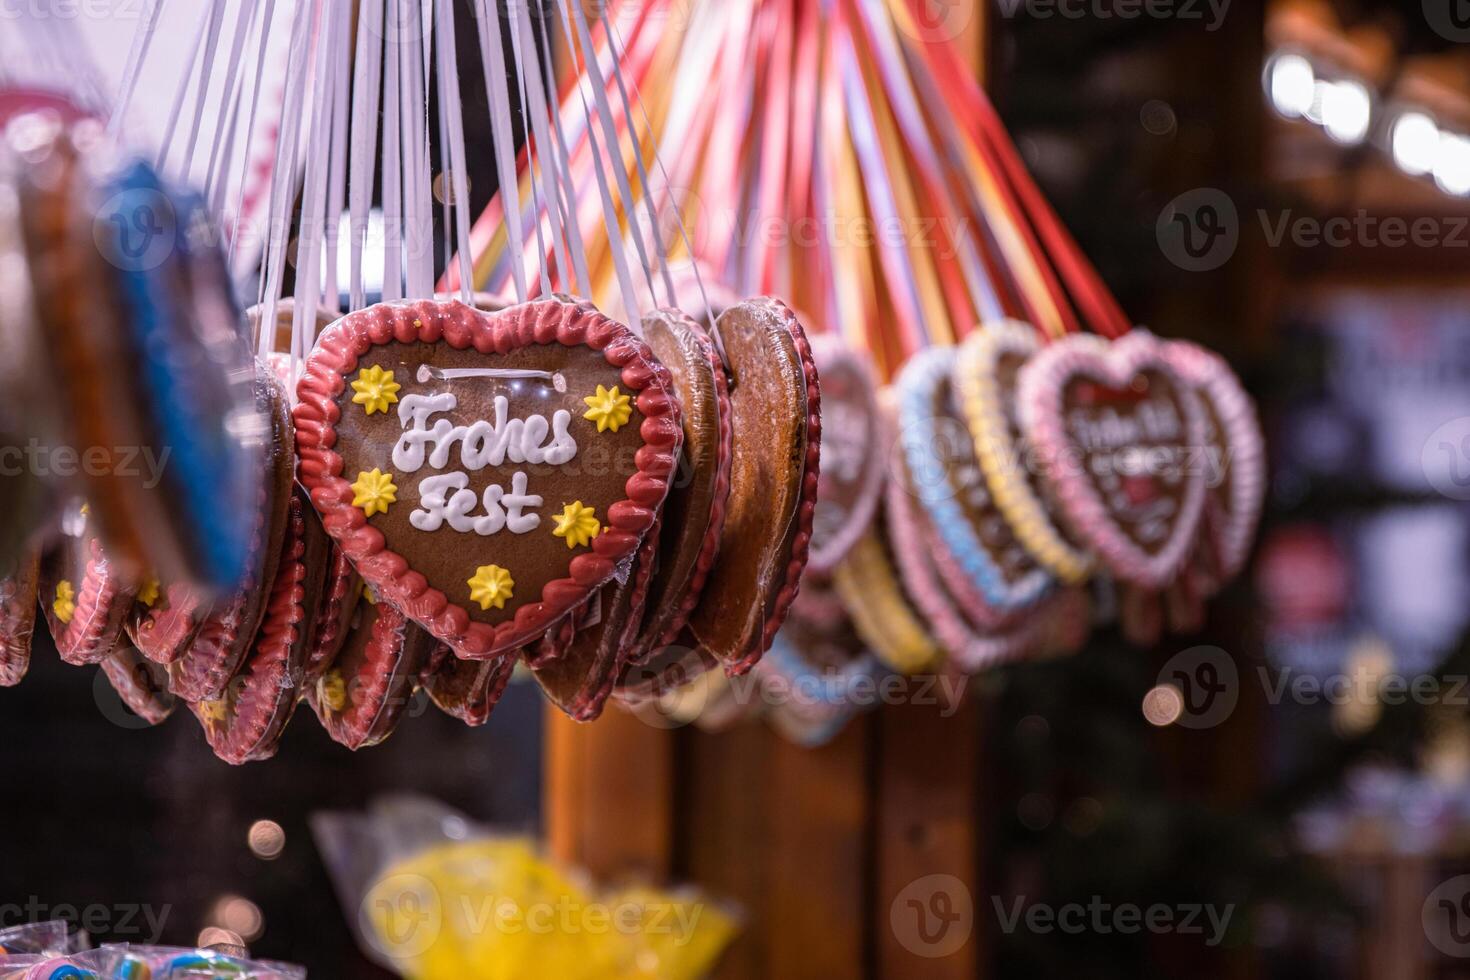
[
  {"x": 269, "y": 684},
  {"x": 543, "y": 322},
  {"x": 807, "y": 503},
  {"x": 710, "y": 550},
  {"x": 613, "y": 655}
]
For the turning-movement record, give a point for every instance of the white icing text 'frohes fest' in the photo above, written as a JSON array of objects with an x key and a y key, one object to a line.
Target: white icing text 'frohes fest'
[{"x": 446, "y": 498}]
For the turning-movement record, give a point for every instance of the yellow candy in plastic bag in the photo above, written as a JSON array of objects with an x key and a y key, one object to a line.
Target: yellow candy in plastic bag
[{"x": 494, "y": 909}]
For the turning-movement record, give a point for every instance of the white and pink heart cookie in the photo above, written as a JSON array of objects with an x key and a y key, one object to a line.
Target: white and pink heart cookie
[{"x": 1119, "y": 435}]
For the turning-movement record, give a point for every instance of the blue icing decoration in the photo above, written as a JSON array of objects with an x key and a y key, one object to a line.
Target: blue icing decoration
[{"x": 921, "y": 434}]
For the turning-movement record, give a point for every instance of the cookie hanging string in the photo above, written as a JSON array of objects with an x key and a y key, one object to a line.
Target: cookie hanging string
[
  {"x": 366, "y": 86},
  {"x": 662, "y": 252},
  {"x": 979, "y": 115}
]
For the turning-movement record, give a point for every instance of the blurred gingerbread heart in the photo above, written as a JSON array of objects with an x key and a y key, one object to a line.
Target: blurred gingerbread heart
[{"x": 1118, "y": 434}]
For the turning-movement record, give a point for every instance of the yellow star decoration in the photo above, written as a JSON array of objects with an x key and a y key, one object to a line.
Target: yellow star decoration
[
  {"x": 374, "y": 491},
  {"x": 609, "y": 409},
  {"x": 148, "y": 591},
  {"x": 367, "y": 594},
  {"x": 491, "y": 586},
  {"x": 65, "y": 605},
  {"x": 577, "y": 524},
  {"x": 376, "y": 389}
]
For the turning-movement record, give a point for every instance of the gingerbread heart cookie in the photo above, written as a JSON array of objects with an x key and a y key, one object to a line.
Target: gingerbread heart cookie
[
  {"x": 694, "y": 516},
  {"x": 1118, "y": 433},
  {"x": 18, "y": 617},
  {"x": 580, "y": 679},
  {"x": 1233, "y": 454},
  {"x": 363, "y": 696},
  {"x": 336, "y": 603},
  {"x": 486, "y": 472},
  {"x": 990, "y": 362},
  {"x": 967, "y": 648},
  {"x": 165, "y": 619},
  {"x": 30, "y": 410},
  {"x": 467, "y": 689},
  {"x": 852, "y": 467},
  {"x": 882, "y": 612},
  {"x": 775, "y": 406},
  {"x": 246, "y": 721},
  {"x": 84, "y": 596},
  {"x": 224, "y": 636},
  {"x": 989, "y": 569},
  {"x": 140, "y": 684}
]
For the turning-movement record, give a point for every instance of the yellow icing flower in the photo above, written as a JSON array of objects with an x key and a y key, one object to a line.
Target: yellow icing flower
[
  {"x": 332, "y": 690},
  {"x": 491, "y": 586},
  {"x": 148, "y": 591},
  {"x": 65, "y": 605},
  {"x": 577, "y": 524},
  {"x": 375, "y": 389},
  {"x": 374, "y": 491},
  {"x": 367, "y": 594},
  {"x": 609, "y": 409}
]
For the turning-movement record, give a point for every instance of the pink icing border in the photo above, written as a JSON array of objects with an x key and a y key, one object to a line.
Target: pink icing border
[
  {"x": 829, "y": 348},
  {"x": 1039, "y": 395},
  {"x": 1234, "y": 531},
  {"x": 542, "y": 322}
]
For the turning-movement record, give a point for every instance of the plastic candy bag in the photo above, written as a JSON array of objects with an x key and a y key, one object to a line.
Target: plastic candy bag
[{"x": 434, "y": 897}]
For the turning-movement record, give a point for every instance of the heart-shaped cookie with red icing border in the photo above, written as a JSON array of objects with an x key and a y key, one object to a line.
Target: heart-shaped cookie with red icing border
[
  {"x": 1233, "y": 455},
  {"x": 1118, "y": 433},
  {"x": 486, "y": 472}
]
